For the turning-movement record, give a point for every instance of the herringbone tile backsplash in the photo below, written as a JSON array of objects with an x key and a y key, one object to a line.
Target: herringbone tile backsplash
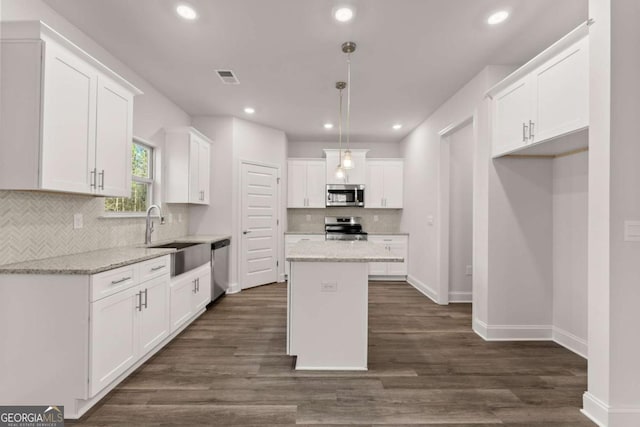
[{"x": 37, "y": 225}]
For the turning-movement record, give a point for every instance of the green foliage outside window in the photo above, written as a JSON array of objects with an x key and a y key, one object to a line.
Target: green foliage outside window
[{"x": 142, "y": 178}]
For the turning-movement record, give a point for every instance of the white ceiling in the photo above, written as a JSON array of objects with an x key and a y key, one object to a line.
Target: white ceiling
[{"x": 412, "y": 54}]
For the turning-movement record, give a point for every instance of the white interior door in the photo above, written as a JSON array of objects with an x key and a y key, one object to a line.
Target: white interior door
[{"x": 259, "y": 224}]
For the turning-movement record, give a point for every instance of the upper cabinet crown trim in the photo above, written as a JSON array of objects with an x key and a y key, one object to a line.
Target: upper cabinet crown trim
[
  {"x": 355, "y": 150},
  {"x": 189, "y": 129},
  {"x": 576, "y": 34},
  {"x": 38, "y": 30}
]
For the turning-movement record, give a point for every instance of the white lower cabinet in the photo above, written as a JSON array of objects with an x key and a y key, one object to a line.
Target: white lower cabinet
[
  {"x": 397, "y": 244},
  {"x": 290, "y": 241},
  {"x": 190, "y": 293},
  {"x": 124, "y": 327}
]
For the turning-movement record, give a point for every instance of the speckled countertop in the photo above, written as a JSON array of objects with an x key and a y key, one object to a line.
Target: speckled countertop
[
  {"x": 341, "y": 251},
  {"x": 101, "y": 260},
  {"x": 373, "y": 233}
]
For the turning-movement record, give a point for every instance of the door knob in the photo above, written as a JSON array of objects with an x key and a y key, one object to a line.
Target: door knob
[{"x": 246, "y": 232}]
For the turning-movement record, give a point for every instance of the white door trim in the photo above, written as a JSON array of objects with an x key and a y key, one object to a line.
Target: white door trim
[
  {"x": 279, "y": 234},
  {"x": 443, "y": 231}
]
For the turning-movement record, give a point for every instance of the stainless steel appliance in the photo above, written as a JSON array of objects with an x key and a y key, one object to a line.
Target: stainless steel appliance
[
  {"x": 345, "y": 195},
  {"x": 188, "y": 255},
  {"x": 343, "y": 228},
  {"x": 220, "y": 268}
]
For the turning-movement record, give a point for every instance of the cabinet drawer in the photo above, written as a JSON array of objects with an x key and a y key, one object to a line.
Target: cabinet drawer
[
  {"x": 112, "y": 281},
  {"x": 154, "y": 268}
]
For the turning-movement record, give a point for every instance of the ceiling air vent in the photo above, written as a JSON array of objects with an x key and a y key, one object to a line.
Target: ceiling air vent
[{"x": 228, "y": 77}]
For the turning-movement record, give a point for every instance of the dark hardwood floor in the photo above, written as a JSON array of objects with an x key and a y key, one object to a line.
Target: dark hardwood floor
[{"x": 426, "y": 367}]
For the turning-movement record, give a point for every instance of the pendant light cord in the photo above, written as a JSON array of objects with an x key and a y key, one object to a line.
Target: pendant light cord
[
  {"x": 340, "y": 130},
  {"x": 348, "y": 98}
]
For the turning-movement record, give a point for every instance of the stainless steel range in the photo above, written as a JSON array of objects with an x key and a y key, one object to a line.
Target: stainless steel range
[{"x": 343, "y": 228}]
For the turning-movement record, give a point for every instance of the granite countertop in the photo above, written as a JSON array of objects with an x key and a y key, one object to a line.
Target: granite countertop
[
  {"x": 371, "y": 233},
  {"x": 341, "y": 251},
  {"x": 100, "y": 260},
  {"x": 85, "y": 263}
]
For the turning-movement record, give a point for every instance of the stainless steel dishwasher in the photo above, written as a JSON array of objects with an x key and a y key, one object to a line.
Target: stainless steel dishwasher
[{"x": 220, "y": 268}]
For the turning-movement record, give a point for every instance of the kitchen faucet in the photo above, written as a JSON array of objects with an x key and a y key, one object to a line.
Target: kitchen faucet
[{"x": 149, "y": 229}]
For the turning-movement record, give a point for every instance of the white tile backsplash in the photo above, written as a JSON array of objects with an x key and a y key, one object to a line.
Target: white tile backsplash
[
  {"x": 35, "y": 225},
  {"x": 312, "y": 220}
]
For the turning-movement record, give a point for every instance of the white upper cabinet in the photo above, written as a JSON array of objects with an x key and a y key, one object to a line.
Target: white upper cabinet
[
  {"x": 356, "y": 175},
  {"x": 188, "y": 166},
  {"x": 72, "y": 116},
  {"x": 385, "y": 184},
  {"x": 306, "y": 183},
  {"x": 545, "y": 99}
]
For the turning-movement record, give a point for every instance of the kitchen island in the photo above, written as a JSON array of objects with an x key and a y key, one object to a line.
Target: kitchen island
[{"x": 327, "y": 303}]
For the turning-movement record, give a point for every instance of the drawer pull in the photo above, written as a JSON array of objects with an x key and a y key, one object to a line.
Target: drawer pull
[
  {"x": 124, "y": 279},
  {"x": 388, "y": 240},
  {"x": 157, "y": 268}
]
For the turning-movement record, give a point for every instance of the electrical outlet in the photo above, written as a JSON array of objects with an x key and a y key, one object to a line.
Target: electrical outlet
[
  {"x": 329, "y": 287},
  {"x": 430, "y": 220},
  {"x": 375, "y": 218},
  {"x": 179, "y": 217},
  {"x": 169, "y": 218},
  {"x": 469, "y": 270},
  {"x": 77, "y": 221},
  {"x": 308, "y": 218}
]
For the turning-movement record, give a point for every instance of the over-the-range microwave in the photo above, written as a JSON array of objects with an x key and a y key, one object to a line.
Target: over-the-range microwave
[{"x": 345, "y": 195}]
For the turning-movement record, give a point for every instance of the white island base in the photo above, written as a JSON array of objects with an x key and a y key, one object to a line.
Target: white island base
[{"x": 328, "y": 310}]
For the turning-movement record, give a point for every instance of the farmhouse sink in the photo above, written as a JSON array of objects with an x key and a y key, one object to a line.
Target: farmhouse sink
[
  {"x": 188, "y": 255},
  {"x": 175, "y": 245}
]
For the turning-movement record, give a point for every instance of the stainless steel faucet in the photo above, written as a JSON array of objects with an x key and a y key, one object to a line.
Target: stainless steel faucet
[{"x": 149, "y": 229}]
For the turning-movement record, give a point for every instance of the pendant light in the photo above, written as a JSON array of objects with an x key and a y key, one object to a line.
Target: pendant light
[
  {"x": 348, "y": 48},
  {"x": 340, "y": 174}
]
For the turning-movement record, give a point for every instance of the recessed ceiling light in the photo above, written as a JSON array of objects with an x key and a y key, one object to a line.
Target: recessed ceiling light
[
  {"x": 328, "y": 125},
  {"x": 186, "y": 12},
  {"x": 397, "y": 126},
  {"x": 498, "y": 17},
  {"x": 249, "y": 110},
  {"x": 343, "y": 14}
]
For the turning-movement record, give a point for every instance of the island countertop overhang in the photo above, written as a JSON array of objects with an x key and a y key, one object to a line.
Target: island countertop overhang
[{"x": 341, "y": 251}]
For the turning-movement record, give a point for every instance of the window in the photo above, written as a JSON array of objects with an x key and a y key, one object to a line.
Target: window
[{"x": 141, "y": 183}]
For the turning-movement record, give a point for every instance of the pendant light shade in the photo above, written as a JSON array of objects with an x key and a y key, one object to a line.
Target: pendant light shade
[
  {"x": 347, "y": 161},
  {"x": 340, "y": 172}
]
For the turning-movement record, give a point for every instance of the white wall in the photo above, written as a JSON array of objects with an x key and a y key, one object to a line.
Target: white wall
[
  {"x": 461, "y": 150},
  {"x": 237, "y": 140},
  {"x": 614, "y": 179},
  {"x": 421, "y": 152},
  {"x": 314, "y": 149},
  {"x": 570, "y": 194}
]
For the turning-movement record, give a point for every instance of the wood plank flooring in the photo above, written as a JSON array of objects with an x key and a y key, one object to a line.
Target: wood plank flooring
[{"x": 426, "y": 367}]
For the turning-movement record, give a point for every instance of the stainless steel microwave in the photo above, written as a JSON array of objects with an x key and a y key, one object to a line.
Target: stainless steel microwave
[{"x": 345, "y": 195}]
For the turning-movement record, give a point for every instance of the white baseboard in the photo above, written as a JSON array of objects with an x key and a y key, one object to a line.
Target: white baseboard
[
  {"x": 480, "y": 328},
  {"x": 282, "y": 278},
  {"x": 460, "y": 297},
  {"x": 423, "y": 288},
  {"x": 607, "y": 416},
  {"x": 512, "y": 332},
  {"x": 570, "y": 341},
  {"x": 233, "y": 288},
  {"x": 387, "y": 278}
]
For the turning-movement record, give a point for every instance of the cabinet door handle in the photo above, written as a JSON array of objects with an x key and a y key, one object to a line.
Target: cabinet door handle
[
  {"x": 531, "y": 125},
  {"x": 194, "y": 286},
  {"x": 160, "y": 267},
  {"x": 124, "y": 279},
  {"x": 139, "y": 304},
  {"x": 92, "y": 178},
  {"x": 101, "y": 179},
  {"x": 198, "y": 284},
  {"x": 145, "y": 298},
  {"x": 524, "y": 132}
]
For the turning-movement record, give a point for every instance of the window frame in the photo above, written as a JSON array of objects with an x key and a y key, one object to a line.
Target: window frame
[{"x": 153, "y": 194}]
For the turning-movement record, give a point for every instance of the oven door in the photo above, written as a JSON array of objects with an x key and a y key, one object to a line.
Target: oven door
[{"x": 345, "y": 195}]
